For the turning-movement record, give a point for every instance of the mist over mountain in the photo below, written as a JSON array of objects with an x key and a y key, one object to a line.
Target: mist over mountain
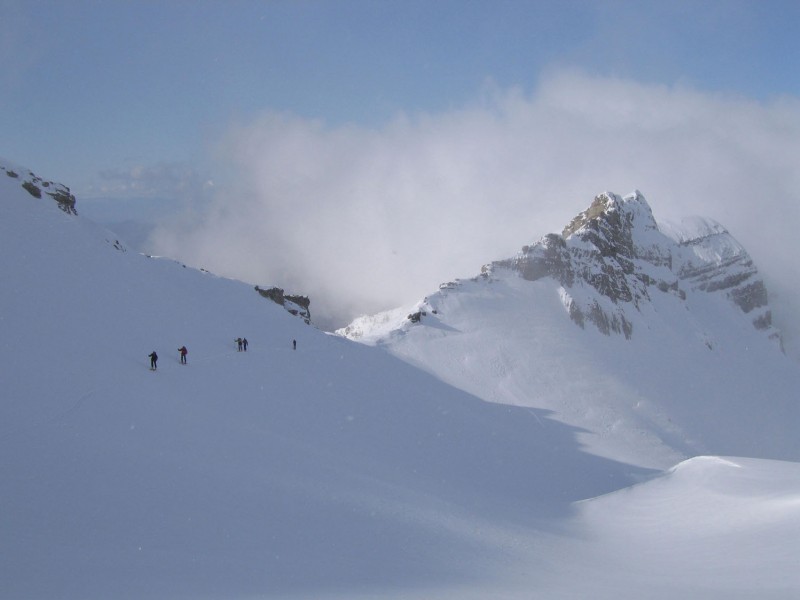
[
  {"x": 526, "y": 451},
  {"x": 630, "y": 330}
]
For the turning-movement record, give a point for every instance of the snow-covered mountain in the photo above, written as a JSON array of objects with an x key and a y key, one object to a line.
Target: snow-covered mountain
[
  {"x": 655, "y": 340},
  {"x": 331, "y": 471}
]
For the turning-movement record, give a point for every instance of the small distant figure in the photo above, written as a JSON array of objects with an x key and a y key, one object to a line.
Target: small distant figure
[
  {"x": 244, "y": 344},
  {"x": 294, "y": 344},
  {"x": 240, "y": 342},
  {"x": 183, "y": 352},
  {"x": 153, "y": 360}
]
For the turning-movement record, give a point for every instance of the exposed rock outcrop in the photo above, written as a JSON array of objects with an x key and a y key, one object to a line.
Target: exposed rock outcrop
[
  {"x": 35, "y": 185},
  {"x": 296, "y": 305}
]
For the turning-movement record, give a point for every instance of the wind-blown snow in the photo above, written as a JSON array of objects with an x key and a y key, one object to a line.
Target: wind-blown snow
[{"x": 332, "y": 471}]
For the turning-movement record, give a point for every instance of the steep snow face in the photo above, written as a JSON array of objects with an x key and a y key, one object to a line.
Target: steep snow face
[
  {"x": 709, "y": 259},
  {"x": 666, "y": 361}
]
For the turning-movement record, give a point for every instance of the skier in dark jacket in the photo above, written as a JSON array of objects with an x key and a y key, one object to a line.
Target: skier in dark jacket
[
  {"x": 153, "y": 360},
  {"x": 244, "y": 344},
  {"x": 239, "y": 343},
  {"x": 183, "y": 352}
]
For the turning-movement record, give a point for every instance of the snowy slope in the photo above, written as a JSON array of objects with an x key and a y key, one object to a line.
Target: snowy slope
[
  {"x": 656, "y": 346},
  {"x": 271, "y": 471},
  {"x": 332, "y": 471},
  {"x": 711, "y": 528}
]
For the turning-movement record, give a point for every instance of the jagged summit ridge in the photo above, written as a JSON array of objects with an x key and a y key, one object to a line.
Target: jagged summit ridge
[
  {"x": 608, "y": 206},
  {"x": 614, "y": 256}
]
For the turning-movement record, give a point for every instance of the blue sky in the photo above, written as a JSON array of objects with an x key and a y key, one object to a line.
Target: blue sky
[
  {"x": 364, "y": 151},
  {"x": 111, "y": 84}
]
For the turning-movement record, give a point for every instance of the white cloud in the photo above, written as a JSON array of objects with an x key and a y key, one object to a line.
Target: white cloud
[{"x": 363, "y": 219}]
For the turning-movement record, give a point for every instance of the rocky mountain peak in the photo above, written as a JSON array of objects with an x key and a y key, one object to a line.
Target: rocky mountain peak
[
  {"x": 611, "y": 210},
  {"x": 613, "y": 257}
]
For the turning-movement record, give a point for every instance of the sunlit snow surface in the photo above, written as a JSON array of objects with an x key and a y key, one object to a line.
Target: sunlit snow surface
[{"x": 330, "y": 471}]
